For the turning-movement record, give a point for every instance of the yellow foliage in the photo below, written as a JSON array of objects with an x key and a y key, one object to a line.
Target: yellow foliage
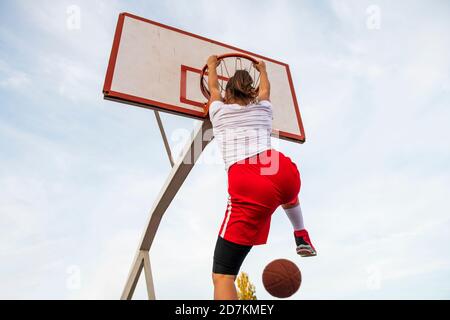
[{"x": 246, "y": 290}]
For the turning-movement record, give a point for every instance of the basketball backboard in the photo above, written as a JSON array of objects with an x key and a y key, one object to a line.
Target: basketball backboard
[{"x": 158, "y": 67}]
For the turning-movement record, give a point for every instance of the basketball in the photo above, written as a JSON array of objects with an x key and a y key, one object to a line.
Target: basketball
[{"x": 282, "y": 278}]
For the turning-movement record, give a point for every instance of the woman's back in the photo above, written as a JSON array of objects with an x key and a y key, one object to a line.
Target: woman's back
[{"x": 241, "y": 131}]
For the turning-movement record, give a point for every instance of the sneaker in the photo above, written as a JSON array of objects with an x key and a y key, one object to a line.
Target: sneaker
[{"x": 304, "y": 245}]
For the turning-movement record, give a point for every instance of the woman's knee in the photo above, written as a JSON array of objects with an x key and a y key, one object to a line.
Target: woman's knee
[
  {"x": 292, "y": 204},
  {"x": 220, "y": 278}
]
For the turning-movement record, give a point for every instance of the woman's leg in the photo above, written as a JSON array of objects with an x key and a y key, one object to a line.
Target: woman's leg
[
  {"x": 224, "y": 287},
  {"x": 291, "y": 205},
  {"x": 295, "y": 215},
  {"x": 228, "y": 259},
  {"x": 305, "y": 247}
]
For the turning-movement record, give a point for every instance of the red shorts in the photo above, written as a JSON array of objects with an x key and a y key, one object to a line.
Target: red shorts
[{"x": 257, "y": 186}]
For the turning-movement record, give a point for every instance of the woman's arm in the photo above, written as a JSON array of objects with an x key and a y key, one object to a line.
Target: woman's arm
[
  {"x": 213, "y": 80},
  {"x": 264, "y": 84}
]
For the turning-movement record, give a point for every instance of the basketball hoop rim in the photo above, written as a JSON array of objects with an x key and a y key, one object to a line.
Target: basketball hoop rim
[{"x": 205, "y": 90}]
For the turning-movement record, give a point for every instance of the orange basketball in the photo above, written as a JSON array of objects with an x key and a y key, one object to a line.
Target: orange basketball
[{"x": 282, "y": 278}]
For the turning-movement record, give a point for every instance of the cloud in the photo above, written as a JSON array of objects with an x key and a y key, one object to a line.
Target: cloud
[
  {"x": 79, "y": 175},
  {"x": 73, "y": 80},
  {"x": 13, "y": 79}
]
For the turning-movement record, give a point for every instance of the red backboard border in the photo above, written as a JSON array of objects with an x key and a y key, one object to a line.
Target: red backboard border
[{"x": 151, "y": 104}]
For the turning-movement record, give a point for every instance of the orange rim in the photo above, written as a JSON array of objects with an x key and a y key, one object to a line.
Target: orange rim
[{"x": 204, "y": 88}]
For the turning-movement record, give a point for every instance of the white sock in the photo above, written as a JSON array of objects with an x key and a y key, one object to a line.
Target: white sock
[{"x": 296, "y": 217}]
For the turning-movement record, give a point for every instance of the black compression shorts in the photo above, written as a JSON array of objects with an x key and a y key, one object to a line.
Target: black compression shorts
[{"x": 228, "y": 257}]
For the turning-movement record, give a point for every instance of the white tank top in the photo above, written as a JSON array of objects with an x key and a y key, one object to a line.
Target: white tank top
[{"x": 241, "y": 131}]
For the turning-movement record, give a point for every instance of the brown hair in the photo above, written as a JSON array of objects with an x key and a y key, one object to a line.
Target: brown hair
[{"x": 240, "y": 87}]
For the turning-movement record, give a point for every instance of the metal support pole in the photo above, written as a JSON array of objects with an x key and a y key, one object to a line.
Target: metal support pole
[
  {"x": 148, "y": 276},
  {"x": 164, "y": 136},
  {"x": 201, "y": 137},
  {"x": 141, "y": 261}
]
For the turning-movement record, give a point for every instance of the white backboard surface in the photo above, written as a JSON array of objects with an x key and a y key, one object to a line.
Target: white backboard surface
[{"x": 158, "y": 67}]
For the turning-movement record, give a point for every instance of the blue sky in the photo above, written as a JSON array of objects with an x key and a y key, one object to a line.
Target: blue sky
[{"x": 78, "y": 175}]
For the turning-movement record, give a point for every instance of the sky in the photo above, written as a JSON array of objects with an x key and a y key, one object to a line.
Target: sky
[{"x": 78, "y": 175}]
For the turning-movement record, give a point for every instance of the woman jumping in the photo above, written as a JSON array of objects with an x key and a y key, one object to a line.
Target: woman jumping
[{"x": 260, "y": 179}]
